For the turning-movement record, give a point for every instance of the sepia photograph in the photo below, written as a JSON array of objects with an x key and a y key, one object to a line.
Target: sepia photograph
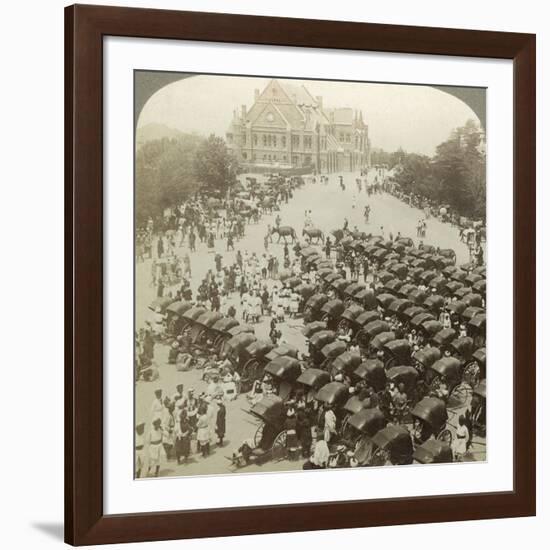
[{"x": 310, "y": 274}]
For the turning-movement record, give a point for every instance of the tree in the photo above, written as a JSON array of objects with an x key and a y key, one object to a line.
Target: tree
[
  {"x": 215, "y": 166},
  {"x": 164, "y": 174},
  {"x": 454, "y": 176}
]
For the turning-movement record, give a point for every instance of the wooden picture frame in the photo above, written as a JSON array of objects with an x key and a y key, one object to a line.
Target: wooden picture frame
[{"x": 85, "y": 27}]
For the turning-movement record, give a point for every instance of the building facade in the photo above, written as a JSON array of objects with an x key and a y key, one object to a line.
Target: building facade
[{"x": 288, "y": 128}]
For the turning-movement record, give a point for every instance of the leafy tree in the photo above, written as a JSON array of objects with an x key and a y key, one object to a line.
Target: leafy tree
[
  {"x": 454, "y": 176},
  {"x": 215, "y": 166},
  {"x": 164, "y": 174}
]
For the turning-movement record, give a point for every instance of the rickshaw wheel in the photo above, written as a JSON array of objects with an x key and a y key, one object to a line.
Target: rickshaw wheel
[
  {"x": 446, "y": 436},
  {"x": 391, "y": 362},
  {"x": 472, "y": 374},
  {"x": 278, "y": 450},
  {"x": 258, "y": 435},
  {"x": 459, "y": 395}
]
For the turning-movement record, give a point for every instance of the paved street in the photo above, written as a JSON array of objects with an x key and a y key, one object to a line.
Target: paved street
[{"x": 329, "y": 206}]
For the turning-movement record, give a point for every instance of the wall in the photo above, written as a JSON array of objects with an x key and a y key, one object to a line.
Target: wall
[{"x": 32, "y": 224}]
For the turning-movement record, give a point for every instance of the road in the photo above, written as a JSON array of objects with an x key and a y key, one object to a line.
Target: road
[{"x": 329, "y": 206}]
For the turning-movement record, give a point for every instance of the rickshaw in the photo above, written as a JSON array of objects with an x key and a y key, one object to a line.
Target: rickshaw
[
  {"x": 476, "y": 368},
  {"x": 358, "y": 430},
  {"x": 385, "y": 300},
  {"x": 270, "y": 436},
  {"x": 380, "y": 254},
  {"x": 334, "y": 395},
  {"x": 451, "y": 287},
  {"x": 405, "y": 241},
  {"x": 254, "y": 361},
  {"x": 430, "y": 420},
  {"x": 393, "y": 286},
  {"x": 282, "y": 350},
  {"x": 462, "y": 348},
  {"x": 221, "y": 331},
  {"x": 366, "y": 298},
  {"x": 345, "y": 363},
  {"x": 459, "y": 275},
  {"x": 449, "y": 270},
  {"x": 480, "y": 287},
  {"x": 427, "y": 248},
  {"x": 312, "y": 309},
  {"x": 479, "y": 408},
  {"x": 415, "y": 273},
  {"x": 473, "y": 300},
  {"x": 367, "y": 317},
  {"x": 203, "y": 325},
  {"x": 236, "y": 348},
  {"x": 456, "y": 309},
  {"x": 472, "y": 279},
  {"x": 399, "y": 306},
  {"x": 420, "y": 318},
  {"x": 191, "y": 315},
  {"x": 332, "y": 276},
  {"x": 408, "y": 376},
  {"x": 331, "y": 312},
  {"x": 351, "y": 290},
  {"x": 394, "y": 445},
  {"x": 400, "y": 270},
  {"x": 312, "y": 381},
  {"x": 419, "y": 263},
  {"x": 411, "y": 312},
  {"x": 443, "y": 338},
  {"x": 438, "y": 284},
  {"x": 379, "y": 341},
  {"x": 470, "y": 312},
  {"x": 349, "y": 317},
  {"x": 373, "y": 373},
  {"x": 317, "y": 342},
  {"x": 174, "y": 319},
  {"x": 444, "y": 379},
  {"x": 430, "y": 328},
  {"x": 449, "y": 254},
  {"x": 306, "y": 291},
  {"x": 434, "y": 303},
  {"x": 423, "y": 359},
  {"x": 427, "y": 276},
  {"x": 372, "y": 329},
  {"x": 161, "y": 303},
  {"x": 396, "y": 352},
  {"x": 433, "y": 451},
  {"x": 417, "y": 296},
  {"x": 406, "y": 289},
  {"x": 311, "y": 328},
  {"x": 331, "y": 351},
  {"x": 284, "y": 371},
  {"x": 339, "y": 286},
  {"x": 461, "y": 292}
]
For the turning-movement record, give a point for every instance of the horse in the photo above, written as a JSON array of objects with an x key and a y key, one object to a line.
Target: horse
[
  {"x": 284, "y": 231},
  {"x": 314, "y": 234}
]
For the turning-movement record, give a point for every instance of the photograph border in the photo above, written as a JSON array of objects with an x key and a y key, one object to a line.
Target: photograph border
[{"x": 85, "y": 28}]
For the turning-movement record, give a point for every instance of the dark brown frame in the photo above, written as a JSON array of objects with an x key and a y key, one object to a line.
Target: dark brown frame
[{"x": 85, "y": 27}]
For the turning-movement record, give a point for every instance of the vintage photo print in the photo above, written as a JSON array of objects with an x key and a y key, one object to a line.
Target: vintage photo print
[{"x": 309, "y": 274}]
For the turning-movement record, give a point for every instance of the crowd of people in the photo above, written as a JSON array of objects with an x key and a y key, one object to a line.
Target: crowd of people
[{"x": 251, "y": 287}]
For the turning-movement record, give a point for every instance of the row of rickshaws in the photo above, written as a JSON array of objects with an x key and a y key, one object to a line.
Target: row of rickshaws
[{"x": 364, "y": 313}]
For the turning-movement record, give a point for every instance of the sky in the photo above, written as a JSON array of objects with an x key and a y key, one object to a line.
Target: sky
[{"x": 415, "y": 118}]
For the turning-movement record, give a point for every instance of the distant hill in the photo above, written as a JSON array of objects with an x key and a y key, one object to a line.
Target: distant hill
[{"x": 153, "y": 131}]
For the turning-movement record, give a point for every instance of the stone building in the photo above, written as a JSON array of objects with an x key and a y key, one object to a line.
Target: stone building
[{"x": 287, "y": 128}]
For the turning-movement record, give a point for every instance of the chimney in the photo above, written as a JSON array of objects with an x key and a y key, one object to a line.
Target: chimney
[
  {"x": 256, "y": 94},
  {"x": 243, "y": 112},
  {"x": 319, "y": 99}
]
